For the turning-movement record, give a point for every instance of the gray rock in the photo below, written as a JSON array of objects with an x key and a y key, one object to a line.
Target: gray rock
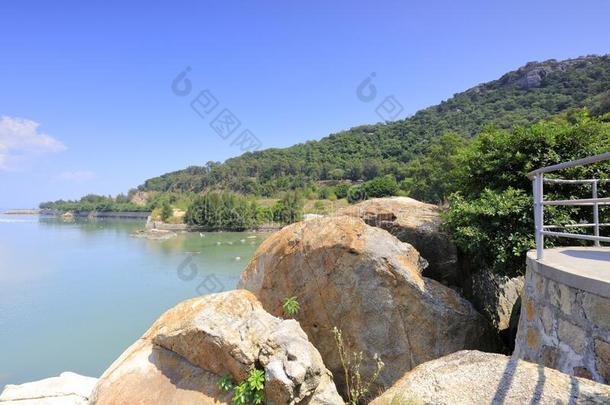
[{"x": 498, "y": 298}]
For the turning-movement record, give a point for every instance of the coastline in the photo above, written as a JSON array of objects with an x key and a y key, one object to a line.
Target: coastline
[
  {"x": 97, "y": 214},
  {"x": 163, "y": 226},
  {"x": 22, "y": 212}
]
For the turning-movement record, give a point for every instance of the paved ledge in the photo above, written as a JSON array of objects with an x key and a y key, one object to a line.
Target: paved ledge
[{"x": 585, "y": 268}]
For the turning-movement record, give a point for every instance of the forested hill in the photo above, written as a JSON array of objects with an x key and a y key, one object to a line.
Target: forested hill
[{"x": 534, "y": 91}]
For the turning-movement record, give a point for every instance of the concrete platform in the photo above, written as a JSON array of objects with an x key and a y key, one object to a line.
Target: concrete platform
[{"x": 586, "y": 268}]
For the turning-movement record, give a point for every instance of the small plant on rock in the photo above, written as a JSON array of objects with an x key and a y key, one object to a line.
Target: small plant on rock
[
  {"x": 250, "y": 391},
  {"x": 357, "y": 389},
  {"x": 226, "y": 383},
  {"x": 291, "y": 306}
]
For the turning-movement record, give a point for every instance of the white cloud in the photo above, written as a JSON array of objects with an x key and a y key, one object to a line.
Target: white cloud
[
  {"x": 76, "y": 176},
  {"x": 20, "y": 139}
]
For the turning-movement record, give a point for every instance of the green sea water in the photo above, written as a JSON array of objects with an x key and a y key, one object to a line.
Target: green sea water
[{"x": 74, "y": 296}]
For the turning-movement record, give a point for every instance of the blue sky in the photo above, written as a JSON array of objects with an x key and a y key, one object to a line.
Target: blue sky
[{"x": 86, "y": 95}]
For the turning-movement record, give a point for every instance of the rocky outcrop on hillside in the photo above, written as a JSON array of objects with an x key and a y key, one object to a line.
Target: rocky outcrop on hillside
[
  {"x": 367, "y": 283},
  {"x": 473, "y": 378},
  {"x": 184, "y": 354},
  {"x": 418, "y": 224},
  {"x": 66, "y": 389},
  {"x": 532, "y": 75}
]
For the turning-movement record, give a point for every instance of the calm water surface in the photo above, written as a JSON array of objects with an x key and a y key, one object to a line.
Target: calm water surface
[{"x": 73, "y": 296}]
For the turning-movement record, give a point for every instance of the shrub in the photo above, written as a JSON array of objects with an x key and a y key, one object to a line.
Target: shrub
[
  {"x": 166, "y": 212},
  {"x": 341, "y": 190},
  {"x": 382, "y": 186},
  {"x": 355, "y": 194}
]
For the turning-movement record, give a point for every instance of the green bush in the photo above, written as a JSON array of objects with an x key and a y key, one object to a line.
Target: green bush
[
  {"x": 382, "y": 186},
  {"x": 166, "y": 212},
  {"x": 355, "y": 194},
  {"x": 494, "y": 229},
  {"x": 341, "y": 190},
  {"x": 491, "y": 218}
]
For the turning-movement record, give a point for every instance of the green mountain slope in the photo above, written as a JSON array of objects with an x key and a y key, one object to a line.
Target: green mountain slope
[{"x": 521, "y": 97}]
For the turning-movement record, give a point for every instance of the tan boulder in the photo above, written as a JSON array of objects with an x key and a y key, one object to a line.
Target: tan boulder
[
  {"x": 367, "y": 283},
  {"x": 473, "y": 378},
  {"x": 182, "y": 357},
  {"x": 66, "y": 389},
  {"x": 418, "y": 224}
]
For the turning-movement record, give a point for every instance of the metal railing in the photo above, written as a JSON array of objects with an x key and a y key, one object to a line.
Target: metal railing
[{"x": 538, "y": 180}]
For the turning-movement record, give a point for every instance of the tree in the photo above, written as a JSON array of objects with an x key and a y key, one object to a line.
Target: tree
[
  {"x": 430, "y": 178},
  {"x": 289, "y": 209},
  {"x": 490, "y": 218},
  {"x": 222, "y": 211},
  {"x": 166, "y": 212}
]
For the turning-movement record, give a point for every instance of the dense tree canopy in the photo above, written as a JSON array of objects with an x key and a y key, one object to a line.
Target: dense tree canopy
[
  {"x": 519, "y": 98},
  {"x": 491, "y": 209}
]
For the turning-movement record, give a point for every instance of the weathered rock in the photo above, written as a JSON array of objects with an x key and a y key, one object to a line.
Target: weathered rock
[
  {"x": 497, "y": 297},
  {"x": 367, "y": 283},
  {"x": 471, "y": 377},
  {"x": 67, "y": 389},
  {"x": 181, "y": 358},
  {"x": 418, "y": 224}
]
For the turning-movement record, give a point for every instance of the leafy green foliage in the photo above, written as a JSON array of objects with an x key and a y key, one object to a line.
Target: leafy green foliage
[
  {"x": 491, "y": 217},
  {"x": 431, "y": 176},
  {"x": 222, "y": 211},
  {"x": 341, "y": 190},
  {"x": 382, "y": 186},
  {"x": 289, "y": 209},
  {"x": 495, "y": 229},
  {"x": 226, "y": 383},
  {"x": 291, "y": 306},
  {"x": 166, "y": 211},
  {"x": 93, "y": 202},
  {"x": 251, "y": 390}
]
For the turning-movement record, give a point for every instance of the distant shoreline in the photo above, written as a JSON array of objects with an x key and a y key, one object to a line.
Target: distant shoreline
[
  {"x": 97, "y": 214},
  {"x": 22, "y": 212}
]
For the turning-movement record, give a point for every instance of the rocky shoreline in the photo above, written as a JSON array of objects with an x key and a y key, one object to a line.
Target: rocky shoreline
[{"x": 358, "y": 283}]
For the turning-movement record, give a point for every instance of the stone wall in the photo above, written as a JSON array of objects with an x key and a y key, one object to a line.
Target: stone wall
[{"x": 562, "y": 326}]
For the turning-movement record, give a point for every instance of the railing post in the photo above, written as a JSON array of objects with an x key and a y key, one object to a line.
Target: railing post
[
  {"x": 595, "y": 213},
  {"x": 538, "y": 191}
]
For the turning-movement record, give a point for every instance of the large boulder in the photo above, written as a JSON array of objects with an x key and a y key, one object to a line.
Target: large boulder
[
  {"x": 66, "y": 389},
  {"x": 473, "y": 378},
  {"x": 418, "y": 224},
  {"x": 367, "y": 283},
  {"x": 184, "y": 354}
]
